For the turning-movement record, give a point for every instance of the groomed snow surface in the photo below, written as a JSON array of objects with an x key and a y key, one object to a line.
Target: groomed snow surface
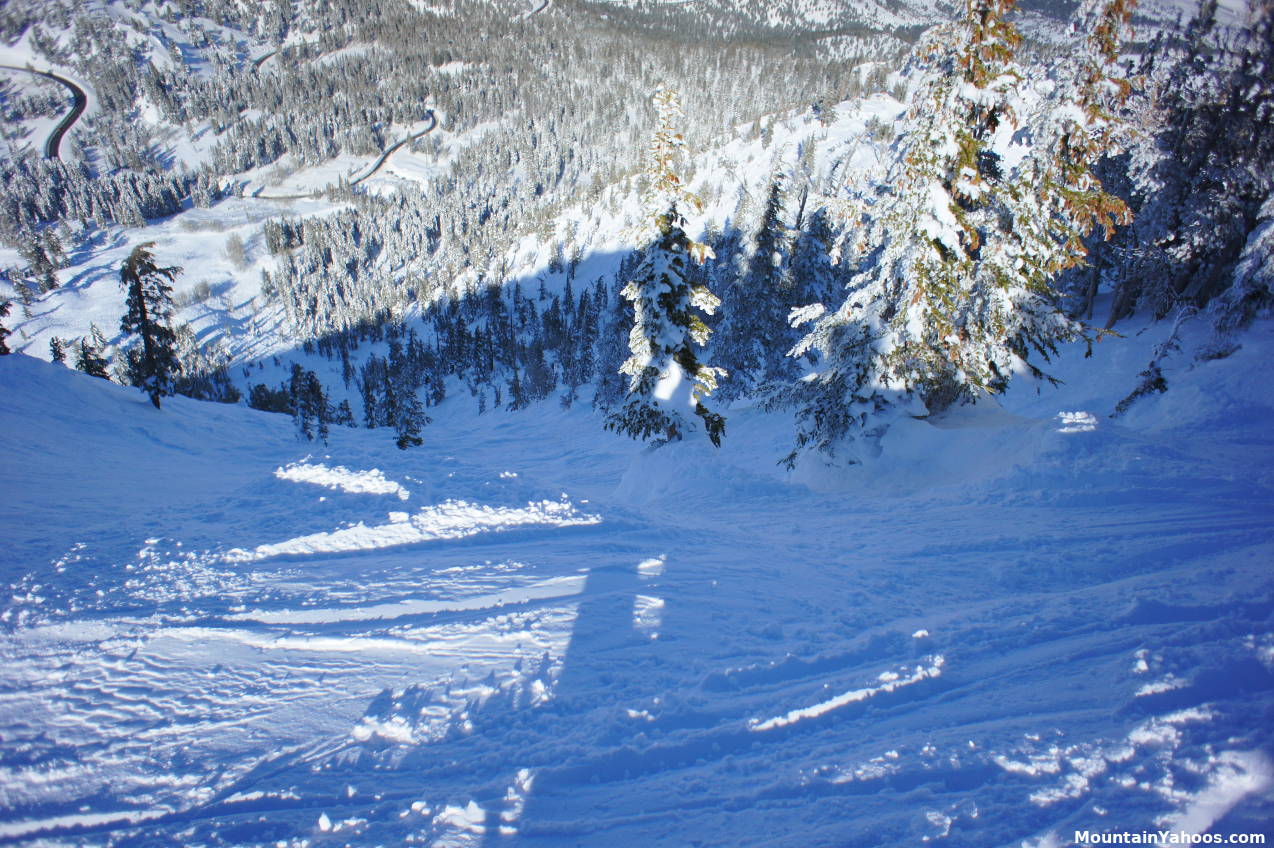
[{"x": 1026, "y": 621}]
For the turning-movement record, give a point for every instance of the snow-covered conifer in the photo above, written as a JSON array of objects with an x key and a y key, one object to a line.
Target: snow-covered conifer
[
  {"x": 411, "y": 418},
  {"x": 344, "y": 415},
  {"x": 754, "y": 332},
  {"x": 4, "y": 331},
  {"x": 270, "y": 400},
  {"x": 98, "y": 338},
  {"x": 956, "y": 248},
  {"x": 43, "y": 254},
  {"x": 666, "y": 380},
  {"x": 149, "y": 311},
  {"x": 1210, "y": 104},
  {"x": 89, "y": 359},
  {"x": 308, "y": 404}
]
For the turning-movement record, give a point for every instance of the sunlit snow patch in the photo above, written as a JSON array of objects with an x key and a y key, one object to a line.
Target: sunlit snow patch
[
  {"x": 941, "y": 822},
  {"x": 890, "y": 682},
  {"x": 342, "y": 479},
  {"x": 1079, "y": 767},
  {"x": 470, "y": 819},
  {"x": 448, "y": 520},
  {"x": 1263, "y": 646},
  {"x": 394, "y": 729},
  {"x": 875, "y": 768},
  {"x": 1142, "y": 665},
  {"x": 1076, "y": 422},
  {"x": 648, "y": 614},
  {"x": 515, "y": 802},
  {"x": 28, "y": 827},
  {"x": 652, "y": 567},
  {"x": 1160, "y": 686},
  {"x": 1232, "y": 776},
  {"x": 668, "y": 385},
  {"x": 943, "y": 819}
]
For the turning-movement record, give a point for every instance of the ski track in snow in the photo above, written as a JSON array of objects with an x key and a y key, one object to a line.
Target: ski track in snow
[
  {"x": 450, "y": 652},
  {"x": 453, "y": 519},
  {"x": 889, "y": 682}
]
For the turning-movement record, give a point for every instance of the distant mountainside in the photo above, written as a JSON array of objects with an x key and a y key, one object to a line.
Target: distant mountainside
[{"x": 798, "y": 17}]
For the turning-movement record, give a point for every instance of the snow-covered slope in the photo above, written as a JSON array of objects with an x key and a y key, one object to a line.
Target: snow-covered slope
[{"x": 1031, "y": 620}]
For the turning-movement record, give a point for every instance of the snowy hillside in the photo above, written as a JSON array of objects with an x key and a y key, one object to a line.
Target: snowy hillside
[
  {"x": 349, "y": 544},
  {"x": 1031, "y": 621}
]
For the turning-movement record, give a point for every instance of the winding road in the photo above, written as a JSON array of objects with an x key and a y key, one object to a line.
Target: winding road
[
  {"x": 78, "y": 106},
  {"x": 376, "y": 166},
  {"x": 260, "y": 60}
]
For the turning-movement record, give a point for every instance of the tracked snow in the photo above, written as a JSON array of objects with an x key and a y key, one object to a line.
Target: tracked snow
[{"x": 1024, "y": 624}]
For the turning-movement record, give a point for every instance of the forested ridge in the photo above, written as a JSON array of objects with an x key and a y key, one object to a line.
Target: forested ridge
[{"x": 917, "y": 265}]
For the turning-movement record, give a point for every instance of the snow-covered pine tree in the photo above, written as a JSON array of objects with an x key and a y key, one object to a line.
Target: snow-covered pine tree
[
  {"x": 754, "y": 332},
  {"x": 814, "y": 277},
  {"x": 1079, "y": 125},
  {"x": 149, "y": 311},
  {"x": 1252, "y": 292},
  {"x": 4, "y": 331},
  {"x": 266, "y": 399},
  {"x": 955, "y": 249},
  {"x": 308, "y": 403},
  {"x": 57, "y": 350},
  {"x": 409, "y": 421},
  {"x": 99, "y": 342},
  {"x": 609, "y": 348},
  {"x": 1204, "y": 179},
  {"x": 42, "y": 253},
  {"x": 89, "y": 359},
  {"x": 666, "y": 379},
  {"x": 344, "y": 415},
  {"x": 204, "y": 372}
]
